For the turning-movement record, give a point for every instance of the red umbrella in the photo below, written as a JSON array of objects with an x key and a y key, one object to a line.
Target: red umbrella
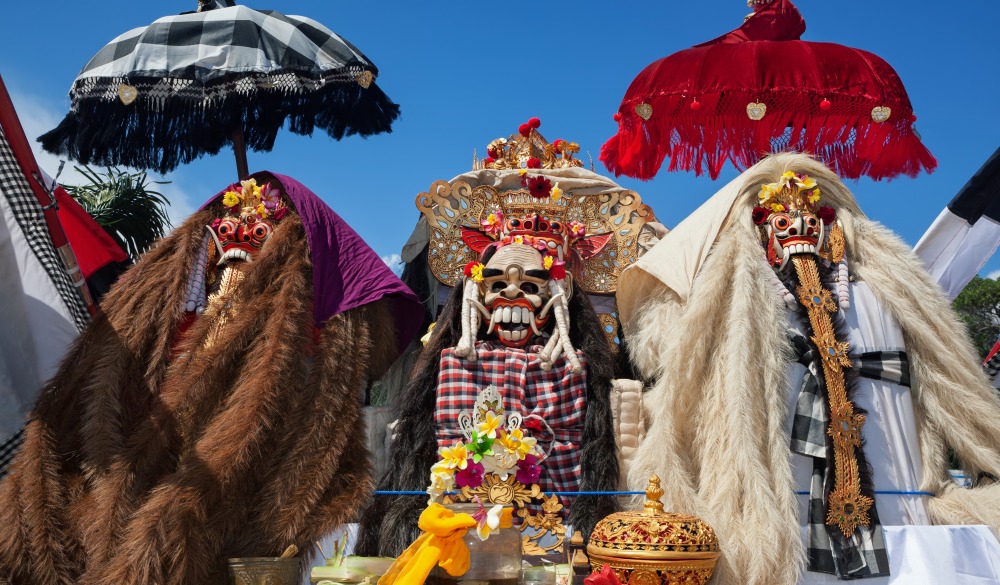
[{"x": 759, "y": 89}]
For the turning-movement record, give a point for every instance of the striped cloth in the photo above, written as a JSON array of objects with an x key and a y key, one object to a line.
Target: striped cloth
[
  {"x": 828, "y": 551},
  {"x": 558, "y": 397}
]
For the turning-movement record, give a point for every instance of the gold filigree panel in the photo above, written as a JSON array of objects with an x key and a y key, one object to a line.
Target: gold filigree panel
[{"x": 450, "y": 206}]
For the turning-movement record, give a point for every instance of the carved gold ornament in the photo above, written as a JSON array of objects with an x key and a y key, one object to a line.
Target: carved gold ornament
[
  {"x": 549, "y": 522},
  {"x": 835, "y": 246},
  {"x": 500, "y": 491},
  {"x": 847, "y": 508},
  {"x": 450, "y": 206}
]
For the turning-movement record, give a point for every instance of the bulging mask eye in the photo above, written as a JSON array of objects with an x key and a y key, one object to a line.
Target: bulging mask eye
[
  {"x": 227, "y": 229},
  {"x": 260, "y": 231},
  {"x": 781, "y": 222}
]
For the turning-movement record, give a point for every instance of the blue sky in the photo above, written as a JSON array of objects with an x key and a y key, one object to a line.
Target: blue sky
[{"x": 467, "y": 72}]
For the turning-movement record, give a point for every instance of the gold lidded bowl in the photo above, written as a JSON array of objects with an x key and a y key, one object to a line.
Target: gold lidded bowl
[
  {"x": 653, "y": 547},
  {"x": 264, "y": 571}
]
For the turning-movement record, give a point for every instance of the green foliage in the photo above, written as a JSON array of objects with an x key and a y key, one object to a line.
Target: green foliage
[
  {"x": 978, "y": 305},
  {"x": 125, "y": 205}
]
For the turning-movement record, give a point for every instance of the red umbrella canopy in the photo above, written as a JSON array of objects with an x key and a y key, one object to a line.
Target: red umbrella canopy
[{"x": 759, "y": 89}]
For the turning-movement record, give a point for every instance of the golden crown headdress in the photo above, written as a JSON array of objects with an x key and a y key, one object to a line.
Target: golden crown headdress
[
  {"x": 603, "y": 229},
  {"x": 528, "y": 149}
]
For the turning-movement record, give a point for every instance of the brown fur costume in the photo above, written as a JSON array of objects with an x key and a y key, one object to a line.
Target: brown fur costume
[
  {"x": 715, "y": 344},
  {"x": 143, "y": 467}
]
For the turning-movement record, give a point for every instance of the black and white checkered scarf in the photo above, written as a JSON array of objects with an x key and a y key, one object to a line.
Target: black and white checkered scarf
[{"x": 863, "y": 554}]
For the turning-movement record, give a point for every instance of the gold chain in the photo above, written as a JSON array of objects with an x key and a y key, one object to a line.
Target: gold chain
[{"x": 847, "y": 508}]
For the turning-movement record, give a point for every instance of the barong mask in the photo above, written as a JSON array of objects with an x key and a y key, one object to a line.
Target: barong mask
[
  {"x": 791, "y": 219},
  {"x": 251, "y": 213}
]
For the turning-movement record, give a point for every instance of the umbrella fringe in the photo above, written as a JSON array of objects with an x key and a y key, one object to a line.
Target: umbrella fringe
[
  {"x": 161, "y": 134},
  {"x": 851, "y": 144}
]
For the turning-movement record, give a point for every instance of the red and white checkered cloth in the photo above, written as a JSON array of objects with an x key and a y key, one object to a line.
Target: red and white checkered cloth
[{"x": 558, "y": 396}]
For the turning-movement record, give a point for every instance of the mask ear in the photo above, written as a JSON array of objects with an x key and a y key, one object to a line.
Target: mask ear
[
  {"x": 476, "y": 240},
  {"x": 590, "y": 246}
]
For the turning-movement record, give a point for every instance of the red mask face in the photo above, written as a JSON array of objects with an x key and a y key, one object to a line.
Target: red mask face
[
  {"x": 241, "y": 239},
  {"x": 791, "y": 233}
]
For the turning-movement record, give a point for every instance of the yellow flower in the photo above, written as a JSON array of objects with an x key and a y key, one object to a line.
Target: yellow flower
[
  {"x": 518, "y": 239},
  {"x": 477, "y": 273},
  {"x": 805, "y": 183},
  {"x": 230, "y": 199},
  {"x": 556, "y": 192},
  {"x": 489, "y": 425},
  {"x": 261, "y": 210},
  {"x": 765, "y": 193},
  {"x": 814, "y": 196},
  {"x": 455, "y": 457},
  {"x": 492, "y": 219},
  {"x": 515, "y": 442},
  {"x": 777, "y": 208},
  {"x": 522, "y": 172},
  {"x": 549, "y": 260}
]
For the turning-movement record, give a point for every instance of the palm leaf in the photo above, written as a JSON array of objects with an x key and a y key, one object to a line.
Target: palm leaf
[{"x": 125, "y": 205}]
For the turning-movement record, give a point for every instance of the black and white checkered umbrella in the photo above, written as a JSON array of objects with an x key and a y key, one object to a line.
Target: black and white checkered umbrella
[{"x": 187, "y": 85}]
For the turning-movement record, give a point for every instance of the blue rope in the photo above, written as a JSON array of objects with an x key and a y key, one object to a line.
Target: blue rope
[
  {"x": 570, "y": 494},
  {"x": 887, "y": 493},
  {"x": 416, "y": 493}
]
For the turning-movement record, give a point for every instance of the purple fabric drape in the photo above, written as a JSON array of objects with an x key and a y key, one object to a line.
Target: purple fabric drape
[{"x": 347, "y": 273}]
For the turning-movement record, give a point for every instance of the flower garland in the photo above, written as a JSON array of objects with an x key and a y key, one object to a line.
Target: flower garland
[
  {"x": 797, "y": 191},
  {"x": 495, "y": 445},
  {"x": 257, "y": 201}
]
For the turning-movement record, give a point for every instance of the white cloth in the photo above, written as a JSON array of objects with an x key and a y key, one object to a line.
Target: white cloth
[
  {"x": 932, "y": 555},
  {"x": 37, "y": 326},
  {"x": 954, "y": 251}
]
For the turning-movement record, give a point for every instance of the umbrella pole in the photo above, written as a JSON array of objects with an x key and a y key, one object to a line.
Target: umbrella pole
[{"x": 240, "y": 149}]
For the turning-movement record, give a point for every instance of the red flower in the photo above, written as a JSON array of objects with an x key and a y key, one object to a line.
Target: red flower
[
  {"x": 490, "y": 160},
  {"x": 468, "y": 268},
  {"x": 280, "y": 214},
  {"x": 524, "y": 130},
  {"x": 558, "y": 145},
  {"x": 539, "y": 187},
  {"x": 471, "y": 476},
  {"x": 760, "y": 215},
  {"x": 534, "y": 122},
  {"x": 534, "y": 163},
  {"x": 491, "y": 152},
  {"x": 827, "y": 215},
  {"x": 528, "y": 470},
  {"x": 558, "y": 269},
  {"x": 605, "y": 577}
]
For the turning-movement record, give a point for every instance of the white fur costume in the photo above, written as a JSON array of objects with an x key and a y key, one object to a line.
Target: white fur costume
[{"x": 704, "y": 319}]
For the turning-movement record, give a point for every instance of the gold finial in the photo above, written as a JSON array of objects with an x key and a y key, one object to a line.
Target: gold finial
[{"x": 654, "y": 492}]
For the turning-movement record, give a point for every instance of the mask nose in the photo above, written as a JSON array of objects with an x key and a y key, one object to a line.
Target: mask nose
[{"x": 512, "y": 291}]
